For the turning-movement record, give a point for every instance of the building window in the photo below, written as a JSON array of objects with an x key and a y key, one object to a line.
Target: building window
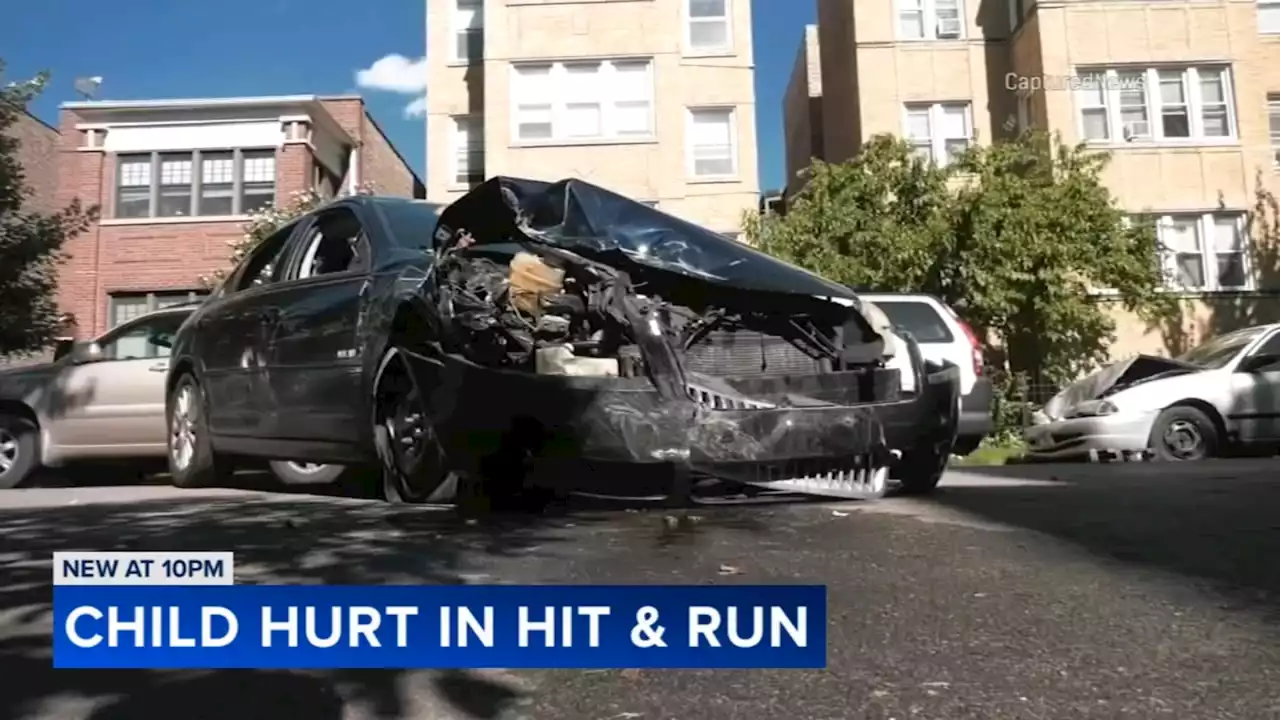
[
  {"x": 468, "y": 31},
  {"x": 1204, "y": 251},
  {"x": 1269, "y": 17},
  {"x": 175, "y": 186},
  {"x": 1273, "y": 113},
  {"x": 585, "y": 100},
  {"x": 124, "y": 307},
  {"x": 202, "y": 183},
  {"x": 217, "y": 184},
  {"x": 939, "y": 131},
  {"x": 259, "y": 187},
  {"x": 708, "y": 28},
  {"x": 468, "y": 151},
  {"x": 713, "y": 143},
  {"x": 1156, "y": 104},
  {"x": 133, "y": 194},
  {"x": 1024, "y": 113},
  {"x": 930, "y": 20}
]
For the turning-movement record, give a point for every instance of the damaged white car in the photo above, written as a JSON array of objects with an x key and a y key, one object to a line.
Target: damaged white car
[{"x": 1218, "y": 398}]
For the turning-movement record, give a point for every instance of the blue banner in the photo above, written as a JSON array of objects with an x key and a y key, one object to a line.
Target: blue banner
[{"x": 448, "y": 626}]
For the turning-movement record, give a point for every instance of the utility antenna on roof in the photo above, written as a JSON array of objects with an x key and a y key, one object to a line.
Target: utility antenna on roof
[{"x": 88, "y": 86}]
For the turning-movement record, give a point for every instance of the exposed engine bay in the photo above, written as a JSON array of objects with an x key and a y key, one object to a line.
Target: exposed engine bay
[{"x": 550, "y": 311}]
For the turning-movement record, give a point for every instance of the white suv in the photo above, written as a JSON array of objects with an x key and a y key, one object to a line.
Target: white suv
[{"x": 942, "y": 335}]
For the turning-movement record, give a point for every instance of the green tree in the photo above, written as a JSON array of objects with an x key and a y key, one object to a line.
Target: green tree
[
  {"x": 1013, "y": 235},
  {"x": 31, "y": 242}
]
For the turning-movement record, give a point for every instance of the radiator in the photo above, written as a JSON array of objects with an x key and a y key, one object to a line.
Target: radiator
[{"x": 728, "y": 353}]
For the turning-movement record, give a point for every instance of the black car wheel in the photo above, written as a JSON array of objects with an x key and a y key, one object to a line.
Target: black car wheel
[
  {"x": 18, "y": 450},
  {"x": 192, "y": 462},
  {"x": 414, "y": 466},
  {"x": 1183, "y": 434}
]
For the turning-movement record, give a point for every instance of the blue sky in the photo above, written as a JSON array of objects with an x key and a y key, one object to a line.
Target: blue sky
[{"x": 171, "y": 48}]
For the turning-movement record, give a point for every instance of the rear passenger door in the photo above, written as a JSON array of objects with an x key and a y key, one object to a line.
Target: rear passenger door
[{"x": 235, "y": 332}]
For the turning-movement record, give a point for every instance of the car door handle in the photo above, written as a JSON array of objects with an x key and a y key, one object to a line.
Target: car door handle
[{"x": 159, "y": 367}]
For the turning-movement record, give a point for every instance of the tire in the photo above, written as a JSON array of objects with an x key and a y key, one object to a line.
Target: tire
[
  {"x": 921, "y": 469},
  {"x": 414, "y": 466},
  {"x": 19, "y": 450},
  {"x": 192, "y": 461},
  {"x": 1182, "y": 434},
  {"x": 290, "y": 472}
]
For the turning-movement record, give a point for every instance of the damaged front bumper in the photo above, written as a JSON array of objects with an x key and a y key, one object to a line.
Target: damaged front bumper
[{"x": 835, "y": 434}]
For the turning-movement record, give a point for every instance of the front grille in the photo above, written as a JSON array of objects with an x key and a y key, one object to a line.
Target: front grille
[
  {"x": 744, "y": 352},
  {"x": 725, "y": 401}
]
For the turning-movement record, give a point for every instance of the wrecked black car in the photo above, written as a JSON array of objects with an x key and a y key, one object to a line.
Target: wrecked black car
[{"x": 555, "y": 336}]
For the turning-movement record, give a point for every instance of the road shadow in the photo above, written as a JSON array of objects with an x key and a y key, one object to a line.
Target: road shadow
[
  {"x": 1213, "y": 521},
  {"x": 277, "y": 539}
]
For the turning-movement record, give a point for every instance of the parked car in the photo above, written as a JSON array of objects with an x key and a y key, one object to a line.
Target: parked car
[
  {"x": 944, "y": 337},
  {"x": 547, "y": 335},
  {"x": 99, "y": 400},
  {"x": 1219, "y": 397}
]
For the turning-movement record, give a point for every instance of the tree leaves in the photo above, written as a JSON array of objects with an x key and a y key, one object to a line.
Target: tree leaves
[
  {"x": 1013, "y": 235},
  {"x": 31, "y": 243}
]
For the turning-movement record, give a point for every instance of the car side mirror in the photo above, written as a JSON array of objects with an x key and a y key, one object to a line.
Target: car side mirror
[
  {"x": 1257, "y": 363},
  {"x": 89, "y": 353},
  {"x": 159, "y": 340}
]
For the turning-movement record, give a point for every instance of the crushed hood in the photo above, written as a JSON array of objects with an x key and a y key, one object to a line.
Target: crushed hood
[
  {"x": 1113, "y": 378},
  {"x": 597, "y": 223}
]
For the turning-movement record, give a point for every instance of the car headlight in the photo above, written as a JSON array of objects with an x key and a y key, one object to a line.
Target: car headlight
[{"x": 1093, "y": 408}]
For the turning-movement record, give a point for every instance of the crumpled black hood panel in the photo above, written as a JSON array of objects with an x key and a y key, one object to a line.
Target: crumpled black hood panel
[{"x": 589, "y": 220}]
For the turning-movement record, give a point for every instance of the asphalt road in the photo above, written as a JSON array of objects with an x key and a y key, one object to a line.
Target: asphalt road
[{"x": 1113, "y": 591}]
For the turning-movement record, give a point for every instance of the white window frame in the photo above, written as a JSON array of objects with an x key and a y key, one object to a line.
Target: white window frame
[
  {"x": 733, "y": 143},
  {"x": 1109, "y": 78},
  {"x": 562, "y": 95},
  {"x": 456, "y": 30},
  {"x": 1205, "y": 226},
  {"x": 690, "y": 21},
  {"x": 938, "y": 143},
  {"x": 475, "y": 125},
  {"x": 1273, "y": 115},
  {"x": 928, "y": 10},
  {"x": 1272, "y": 5}
]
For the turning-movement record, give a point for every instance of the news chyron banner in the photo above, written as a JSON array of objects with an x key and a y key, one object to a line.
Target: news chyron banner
[{"x": 181, "y": 610}]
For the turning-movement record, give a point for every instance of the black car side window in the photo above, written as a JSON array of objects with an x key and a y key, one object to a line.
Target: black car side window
[
  {"x": 1270, "y": 347},
  {"x": 264, "y": 263},
  {"x": 335, "y": 243}
]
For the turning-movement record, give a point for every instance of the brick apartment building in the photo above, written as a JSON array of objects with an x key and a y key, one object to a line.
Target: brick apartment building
[
  {"x": 1184, "y": 95},
  {"x": 175, "y": 180},
  {"x": 38, "y": 155}
]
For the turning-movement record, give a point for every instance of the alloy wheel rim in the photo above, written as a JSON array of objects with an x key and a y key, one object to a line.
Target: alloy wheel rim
[
  {"x": 1184, "y": 439},
  {"x": 182, "y": 434},
  {"x": 306, "y": 468},
  {"x": 8, "y": 451},
  {"x": 408, "y": 429}
]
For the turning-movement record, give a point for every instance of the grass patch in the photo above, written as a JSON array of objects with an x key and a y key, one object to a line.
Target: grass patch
[{"x": 993, "y": 452}]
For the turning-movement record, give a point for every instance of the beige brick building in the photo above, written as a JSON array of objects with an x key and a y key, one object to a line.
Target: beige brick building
[
  {"x": 1185, "y": 95},
  {"x": 650, "y": 99}
]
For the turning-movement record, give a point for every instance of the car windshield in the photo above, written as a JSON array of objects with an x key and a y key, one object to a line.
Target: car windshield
[
  {"x": 411, "y": 222},
  {"x": 1219, "y": 351}
]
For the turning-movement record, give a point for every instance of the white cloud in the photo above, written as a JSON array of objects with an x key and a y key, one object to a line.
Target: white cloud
[
  {"x": 416, "y": 109},
  {"x": 395, "y": 73}
]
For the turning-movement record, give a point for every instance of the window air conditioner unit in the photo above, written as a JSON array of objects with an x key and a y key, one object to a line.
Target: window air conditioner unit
[{"x": 949, "y": 28}]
